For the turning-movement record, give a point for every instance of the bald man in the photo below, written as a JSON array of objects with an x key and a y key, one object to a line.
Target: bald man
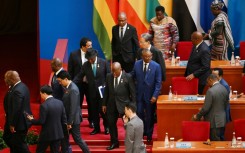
[
  {"x": 16, "y": 106},
  {"x": 199, "y": 61},
  {"x": 124, "y": 43}
]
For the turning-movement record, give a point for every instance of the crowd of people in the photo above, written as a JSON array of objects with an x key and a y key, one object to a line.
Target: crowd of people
[{"x": 128, "y": 90}]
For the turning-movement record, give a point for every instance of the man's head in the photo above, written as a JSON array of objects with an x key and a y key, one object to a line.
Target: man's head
[
  {"x": 145, "y": 40},
  {"x": 56, "y": 64},
  {"x": 130, "y": 109},
  {"x": 216, "y": 7},
  {"x": 45, "y": 91},
  {"x": 11, "y": 77},
  {"x": 116, "y": 69},
  {"x": 212, "y": 78},
  {"x": 122, "y": 19},
  {"x": 218, "y": 72},
  {"x": 64, "y": 78},
  {"x": 146, "y": 55},
  {"x": 91, "y": 55},
  {"x": 85, "y": 43},
  {"x": 196, "y": 38},
  {"x": 160, "y": 10}
]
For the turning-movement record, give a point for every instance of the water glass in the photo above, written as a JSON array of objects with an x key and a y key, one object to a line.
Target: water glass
[
  {"x": 171, "y": 143},
  {"x": 175, "y": 96},
  {"x": 239, "y": 142},
  {"x": 235, "y": 92}
]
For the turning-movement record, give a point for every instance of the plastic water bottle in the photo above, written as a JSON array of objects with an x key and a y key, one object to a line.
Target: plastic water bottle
[
  {"x": 166, "y": 141},
  {"x": 232, "y": 59},
  {"x": 173, "y": 60},
  {"x": 233, "y": 142},
  {"x": 230, "y": 94},
  {"x": 170, "y": 93}
]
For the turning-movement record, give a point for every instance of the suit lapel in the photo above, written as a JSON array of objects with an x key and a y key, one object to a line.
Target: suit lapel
[{"x": 79, "y": 57}]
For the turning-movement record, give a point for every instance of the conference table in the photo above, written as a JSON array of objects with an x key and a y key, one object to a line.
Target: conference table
[
  {"x": 232, "y": 74},
  {"x": 198, "y": 147},
  {"x": 171, "y": 113}
]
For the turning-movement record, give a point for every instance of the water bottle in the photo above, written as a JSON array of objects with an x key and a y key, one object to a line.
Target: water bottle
[
  {"x": 232, "y": 59},
  {"x": 230, "y": 94},
  {"x": 170, "y": 93},
  {"x": 173, "y": 60},
  {"x": 233, "y": 142},
  {"x": 166, "y": 141}
]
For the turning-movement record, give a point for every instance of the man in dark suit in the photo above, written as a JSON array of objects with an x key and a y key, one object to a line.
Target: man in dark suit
[
  {"x": 119, "y": 90},
  {"x": 199, "y": 61},
  {"x": 145, "y": 43},
  {"x": 75, "y": 63},
  {"x": 71, "y": 100},
  {"x": 148, "y": 76},
  {"x": 52, "y": 117},
  {"x": 16, "y": 104},
  {"x": 134, "y": 130},
  {"x": 95, "y": 70},
  {"x": 124, "y": 43},
  {"x": 214, "y": 108}
]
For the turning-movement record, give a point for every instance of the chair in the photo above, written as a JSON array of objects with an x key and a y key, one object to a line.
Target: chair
[
  {"x": 242, "y": 50},
  {"x": 183, "y": 49},
  {"x": 184, "y": 87},
  {"x": 195, "y": 130},
  {"x": 239, "y": 126}
]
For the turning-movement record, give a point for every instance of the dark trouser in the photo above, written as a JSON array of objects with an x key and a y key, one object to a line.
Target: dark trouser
[
  {"x": 76, "y": 134},
  {"x": 145, "y": 111},
  {"x": 16, "y": 141},
  {"x": 201, "y": 88},
  {"x": 54, "y": 146},
  {"x": 127, "y": 67},
  {"x": 217, "y": 134},
  {"x": 96, "y": 106}
]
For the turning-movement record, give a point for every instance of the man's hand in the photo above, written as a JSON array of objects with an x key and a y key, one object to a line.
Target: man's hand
[
  {"x": 69, "y": 126},
  {"x": 104, "y": 109},
  {"x": 153, "y": 100},
  {"x": 190, "y": 77},
  {"x": 30, "y": 117},
  {"x": 12, "y": 130}
]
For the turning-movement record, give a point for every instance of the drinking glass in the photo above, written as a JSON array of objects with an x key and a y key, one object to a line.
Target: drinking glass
[
  {"x": 171, "y": 144},
  {"x": 235, "y": 92},
  {"x": 239, "y": 142}
]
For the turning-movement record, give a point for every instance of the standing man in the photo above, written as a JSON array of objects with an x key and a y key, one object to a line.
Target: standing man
[
  {"x": 75, "y": 63},
  {"x": 95, "y": 70},
  {"x": 220, "y": 33},
  {"x": 119, "y": 91},
  {"x": 124, "y": 43},
  {"x": 134, "y": 130},
  {"x": 198, "y": 65},
  {"x": 71, "y": 100},
  {"x": 165, "y": 32},
  {"x": 214, "y": 107},
  {"x": 148, "y": 76},
  {"x": 52, "y": 117},
  {"x": 16, "y": 105},
  {"x": 145, "y": 43}
]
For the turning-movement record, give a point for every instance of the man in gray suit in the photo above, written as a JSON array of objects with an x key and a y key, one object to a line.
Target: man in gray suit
[
  {"x": 71, "y": 100},
  {"x": 134, "y": 130},
  {"x": 214, "y": 108}
]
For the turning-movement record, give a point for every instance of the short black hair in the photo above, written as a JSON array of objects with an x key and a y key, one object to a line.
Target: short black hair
[
  {"x": 46, "y": 89},
  {"x": 160, "y": 8},
  {"x": 84, "y": 41},
  {"x": 64, "y": 75},
  {"x": 213, "y": 77},
  {"x": 131, "y": 106},
  {"x": 220, "y": 71}
]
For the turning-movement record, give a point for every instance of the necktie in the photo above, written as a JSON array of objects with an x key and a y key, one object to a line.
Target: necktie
[
  {"x": 94, "y": 69},
  {"x": 145, "y": 69},
  {"x": 121, "y": 36},
  {"x": 116, "y": 82}
]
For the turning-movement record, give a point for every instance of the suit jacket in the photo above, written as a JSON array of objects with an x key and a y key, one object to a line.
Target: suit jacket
[
  {"x": 52, "y": 116},
  {"x": 199, "y": 63},
  {"x": 16, "y": 105},
  {"x": 102, "y": 68},
  {"x": 214, "y": 107},
  {"x": 58, "y": 90},
  {"x": 157, "y": 57},
  {"x": 121, "y": 95},
  {"x": 128, "y": 46},
  {"x": 71, "y": 101},
  {"x": 134, "y": 136},
  {"x": 74, "y": 63},
  {"x": 147, "y": 86}
]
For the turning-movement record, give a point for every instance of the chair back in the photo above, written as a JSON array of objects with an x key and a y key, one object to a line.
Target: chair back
[
  {"x": 242, "y": 50},
  {"x": 239, "y": 128},
  {"x": 195, "y": 130},
  {"x": 183, "y": 49},
  {"x": 184, "y": 87}
]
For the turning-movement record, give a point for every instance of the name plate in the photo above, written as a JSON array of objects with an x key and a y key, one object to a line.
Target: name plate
[
  {"x": 190, "y": 98},
  {"x": 183, "y": 145}
]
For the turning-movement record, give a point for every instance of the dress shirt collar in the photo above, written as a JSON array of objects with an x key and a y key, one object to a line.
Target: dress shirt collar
[
  {"x": 199, "y": 44},
  {"x": 215, "y": 83},
  {"x": 68, "y": 84},
  {"x": 57, "y": 72},
  {"x": 149, "y": 48},
  {"x": 16, "y": 83},
  {"x": 50, "y": 96}
]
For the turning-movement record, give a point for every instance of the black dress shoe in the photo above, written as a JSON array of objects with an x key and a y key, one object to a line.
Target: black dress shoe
[
  {"x": 91, "y": 125},
  {"x": 94, "y": 132},
  {"x": 107, "y": 131},
  {"x": 113, "y": 146}
]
